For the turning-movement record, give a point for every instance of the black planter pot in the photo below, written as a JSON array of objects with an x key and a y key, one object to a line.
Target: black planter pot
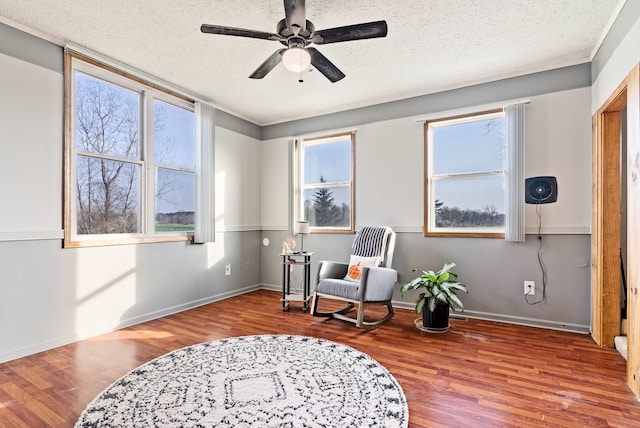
[{"x": 438, "y": 320}]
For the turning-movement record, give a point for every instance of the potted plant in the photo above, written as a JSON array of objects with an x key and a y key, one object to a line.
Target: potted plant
[{"x": 441, "y": 293}]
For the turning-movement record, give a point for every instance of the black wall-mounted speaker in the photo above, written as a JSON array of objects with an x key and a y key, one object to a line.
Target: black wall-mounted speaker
[{"x": 540, "y": 190}]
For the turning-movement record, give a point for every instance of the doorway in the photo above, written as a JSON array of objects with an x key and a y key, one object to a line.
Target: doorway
[{"x": 607, "y": 223}]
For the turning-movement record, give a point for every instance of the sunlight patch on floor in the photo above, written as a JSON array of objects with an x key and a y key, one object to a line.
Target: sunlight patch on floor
[{"x": 133, "y": 334}]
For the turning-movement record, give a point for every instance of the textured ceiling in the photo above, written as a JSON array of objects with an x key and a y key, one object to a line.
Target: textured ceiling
[{"x": 432, "y": 45}]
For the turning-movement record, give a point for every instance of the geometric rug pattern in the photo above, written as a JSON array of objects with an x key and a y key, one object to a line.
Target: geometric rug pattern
[{"x": 254, "y": 381}]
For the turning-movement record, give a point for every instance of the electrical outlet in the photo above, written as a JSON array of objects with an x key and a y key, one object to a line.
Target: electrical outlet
[
  {"x": 227, "y": 270},
  {"x": 529, "y": 288}
]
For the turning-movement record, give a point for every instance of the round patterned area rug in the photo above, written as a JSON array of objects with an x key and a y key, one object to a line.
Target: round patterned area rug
[{"x": 253, "y": 381}]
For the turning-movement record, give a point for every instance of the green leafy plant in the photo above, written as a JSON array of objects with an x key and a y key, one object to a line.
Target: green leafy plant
[{"x": 441, "y": 287}]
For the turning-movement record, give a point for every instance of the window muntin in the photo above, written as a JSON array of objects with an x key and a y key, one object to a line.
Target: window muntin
[
  {"x": 465, "y": 158},
  {"x": 130, "y": 160},
  {"x": 326, "y": 193}
]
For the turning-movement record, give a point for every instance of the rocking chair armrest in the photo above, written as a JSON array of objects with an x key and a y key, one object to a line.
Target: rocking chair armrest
[
  {"x": 377, "y": 283},
  {"x": 330, "y": 269}
]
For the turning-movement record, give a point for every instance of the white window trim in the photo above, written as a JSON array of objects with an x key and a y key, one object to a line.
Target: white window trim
[
  {"x": 79, "y": 63},
  {"x": 299, "y": 187},
  {"x": 442, "y": 120}
]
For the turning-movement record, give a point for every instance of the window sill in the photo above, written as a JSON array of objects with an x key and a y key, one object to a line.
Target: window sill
[
  {"x": 332, "y": 231},
  {"x": 464, "y": 235},
  {"x": 68, "y": 243}
]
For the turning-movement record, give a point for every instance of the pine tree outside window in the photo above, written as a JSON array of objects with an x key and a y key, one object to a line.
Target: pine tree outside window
[{"x": 325, "y": 171}]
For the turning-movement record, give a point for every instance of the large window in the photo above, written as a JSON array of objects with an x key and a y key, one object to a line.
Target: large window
[
  {"x": 326, "y": 185},
  {"x": 465, "y": 175},
  {"x": 130, "y": 159}
]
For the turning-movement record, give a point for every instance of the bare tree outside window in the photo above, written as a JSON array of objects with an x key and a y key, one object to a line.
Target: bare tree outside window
[
  {"x": 109, "y": 161},
  {"x": 131, "y": 151},
  {"x": 107, "y": 142}
]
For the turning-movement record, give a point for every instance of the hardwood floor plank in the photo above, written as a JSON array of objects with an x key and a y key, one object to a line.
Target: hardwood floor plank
[{"x": 478, "y": 374}]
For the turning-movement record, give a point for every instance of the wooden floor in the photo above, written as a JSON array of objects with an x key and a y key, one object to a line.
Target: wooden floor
[{"x": 478, "y": 374}]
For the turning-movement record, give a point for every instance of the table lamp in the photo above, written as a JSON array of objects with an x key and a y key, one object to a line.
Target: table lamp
[{"x": 301, "y": 228}]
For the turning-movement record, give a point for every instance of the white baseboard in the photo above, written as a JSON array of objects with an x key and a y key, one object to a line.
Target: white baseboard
[
  {"x": 530, "y": 322},
  {"x": 509, "y": 319},
  {"x": 272, "y": 287},
  {"x": 65, "y": 340}
]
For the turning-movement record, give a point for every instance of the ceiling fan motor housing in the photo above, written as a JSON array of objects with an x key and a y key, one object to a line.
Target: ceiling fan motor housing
[{"x": 286, "y": 33}]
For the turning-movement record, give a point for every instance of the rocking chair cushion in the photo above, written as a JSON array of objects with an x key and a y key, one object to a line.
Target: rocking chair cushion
[{"x": 339, "y": 287}]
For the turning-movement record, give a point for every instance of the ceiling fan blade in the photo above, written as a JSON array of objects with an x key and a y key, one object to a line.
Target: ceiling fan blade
[
  {"x": 268, "y": 65},
  {"x": 367, "y": 30},
  {"x": 324, "y": 66},
  {"x": 294, "y": 11},
  {"x": 231, "y": 31}
]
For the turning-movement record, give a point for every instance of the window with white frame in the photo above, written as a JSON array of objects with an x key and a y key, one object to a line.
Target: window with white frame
[
  {"x": 130, "y": 166},
  {"x": 465, "y": 175},
  {"x": 326, "y": 183}
]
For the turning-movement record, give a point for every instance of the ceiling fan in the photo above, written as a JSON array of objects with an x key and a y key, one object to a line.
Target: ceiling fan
[{"x": 296, "y": 33}]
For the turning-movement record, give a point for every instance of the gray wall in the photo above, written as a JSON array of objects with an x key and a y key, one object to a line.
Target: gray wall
[
  {"x": 493, "y": 270},
  {"x": 52, "y": 296},
  {"x": 389, "y": 191}
]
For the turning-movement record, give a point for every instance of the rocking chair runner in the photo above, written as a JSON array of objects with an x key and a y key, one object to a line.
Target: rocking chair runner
[{"x": 371, "y": 285}]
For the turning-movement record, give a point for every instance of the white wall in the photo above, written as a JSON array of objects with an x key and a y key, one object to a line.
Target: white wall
[
  {"x": 390, "y": 168},
  {"x": 558, "y": 143},
  {"x": 389, "y": 165},
  {"x": 389, "y": 190},
  {"x": 237, "y": 181},
  {"x": 52, "y": 296},
  {"x": 623, "y": 59},
  {"x": 30, "y": 137},
  {"x": 274, "y": 184}
]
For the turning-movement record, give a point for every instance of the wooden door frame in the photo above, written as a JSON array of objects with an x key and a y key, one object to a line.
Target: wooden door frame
[
  {"x": 605, "y": 227},
  {"x": 606, "y": 221}
]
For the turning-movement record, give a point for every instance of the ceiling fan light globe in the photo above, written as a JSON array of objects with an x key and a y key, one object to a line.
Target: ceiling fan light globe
[{"x": 296, "y": 59}]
